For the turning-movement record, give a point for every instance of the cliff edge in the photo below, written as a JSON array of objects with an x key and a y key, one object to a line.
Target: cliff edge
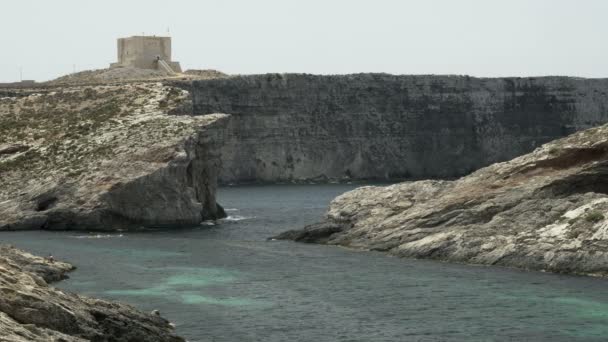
[
  {"x": 547, "y": 210},
  {"x": 106, "y": 157},
  {"x": 31, "y": 310}
]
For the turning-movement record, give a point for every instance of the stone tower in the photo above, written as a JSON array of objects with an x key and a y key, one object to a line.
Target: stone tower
[{"x": 146, "y": 52}]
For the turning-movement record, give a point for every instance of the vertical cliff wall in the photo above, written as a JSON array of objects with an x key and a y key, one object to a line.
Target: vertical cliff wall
[{"x": 288, "y": 127}]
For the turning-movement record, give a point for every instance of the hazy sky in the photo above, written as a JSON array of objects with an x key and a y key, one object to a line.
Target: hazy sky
[{"x": 474, "y": 37}]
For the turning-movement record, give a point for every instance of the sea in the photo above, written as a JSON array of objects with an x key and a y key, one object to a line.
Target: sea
[{"x": 226, "y": 281}]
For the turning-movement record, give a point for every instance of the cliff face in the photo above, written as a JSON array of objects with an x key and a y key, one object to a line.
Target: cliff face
[
  {"x": 31, "y": 310},
  {"x": 106, "y": 157},
  {"x": 296, "y": 127},
  {"x": 547, "y": 210}
]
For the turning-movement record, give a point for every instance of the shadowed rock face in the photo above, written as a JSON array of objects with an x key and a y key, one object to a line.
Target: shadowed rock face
[
  {"x": 376, "y": 126},
  {"x": 31, "y": 310},
  {"x": 105, "y": 158},
  {"x": 547, "y": 210}
]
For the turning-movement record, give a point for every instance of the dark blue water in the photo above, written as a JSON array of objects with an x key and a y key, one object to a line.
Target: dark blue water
[{"x": 227, "y": 283}]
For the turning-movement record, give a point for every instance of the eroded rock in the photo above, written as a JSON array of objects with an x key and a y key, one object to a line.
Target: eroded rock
[
  {"x": 107, "y": 157},
  {"x": 12, "y": 148},
  {"x": 547, "y": 210},
  {"x": 31, "y": 310}
]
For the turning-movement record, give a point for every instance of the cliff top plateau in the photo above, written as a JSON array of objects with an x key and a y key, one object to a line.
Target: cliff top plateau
[{"x": 128, "y": 75}]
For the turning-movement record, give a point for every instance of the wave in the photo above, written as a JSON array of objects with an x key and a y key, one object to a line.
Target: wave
[
  {"x": 231, "y": 209},
  {"x": 236, "y": 218},
  {"x": 229, "y": 218}
]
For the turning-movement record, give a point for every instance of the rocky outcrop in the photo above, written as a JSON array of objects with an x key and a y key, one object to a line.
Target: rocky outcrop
[
  {"x": 293, "y": 127},
  {"x": 105, "y": 158},
  {"x": 547, "y": 210},
  {"x": 31, "y": 310}
]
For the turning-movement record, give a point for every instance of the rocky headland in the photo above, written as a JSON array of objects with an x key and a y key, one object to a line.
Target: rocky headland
[
  {"x": 31, "y": 310},
  {"x": 546, "y": 210},
  {"x": 299, "y": 127},
  {"x": 106, "y": 157}
]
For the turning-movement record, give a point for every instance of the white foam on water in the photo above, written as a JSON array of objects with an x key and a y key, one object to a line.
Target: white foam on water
[
  {"x": 236, "y": 218},
  {"x": 229, "y": 218},
  {"x": 97, "y": 236}
]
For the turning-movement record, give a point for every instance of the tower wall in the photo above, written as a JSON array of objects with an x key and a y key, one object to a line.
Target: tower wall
[{"x": 142, "y": 52}]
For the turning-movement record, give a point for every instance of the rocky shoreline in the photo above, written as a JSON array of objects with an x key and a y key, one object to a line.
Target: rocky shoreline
[
  {"x": 31, "y": 310},
  {"x": 546, "y": 210}
]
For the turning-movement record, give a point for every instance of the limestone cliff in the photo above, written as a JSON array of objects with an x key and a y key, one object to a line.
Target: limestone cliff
[
  {"x": 547, "y": 210},
  {"x": 31, "y": 310},
  {"x": 106, "y": 157},
  {"x": 294, "y": 127}
]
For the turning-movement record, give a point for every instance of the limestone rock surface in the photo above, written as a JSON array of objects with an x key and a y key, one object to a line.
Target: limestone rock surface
[
  {"x": 33, "y": 311},
  {"x": 106, "y": 157},
  {"x": 547, "y": 210}
]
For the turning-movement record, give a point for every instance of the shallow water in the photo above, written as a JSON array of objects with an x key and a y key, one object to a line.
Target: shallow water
[{"x": 225, "y": 282}]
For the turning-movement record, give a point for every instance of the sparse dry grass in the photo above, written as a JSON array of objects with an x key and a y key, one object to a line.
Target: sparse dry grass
[{"x": 74, "y": 129}]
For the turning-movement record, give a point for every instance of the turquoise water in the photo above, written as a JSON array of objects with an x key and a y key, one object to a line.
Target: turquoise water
[{"x": 227, "y": 283}]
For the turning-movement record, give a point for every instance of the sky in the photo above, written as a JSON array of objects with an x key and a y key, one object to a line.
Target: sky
[{"x": 485, "y": 38}]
